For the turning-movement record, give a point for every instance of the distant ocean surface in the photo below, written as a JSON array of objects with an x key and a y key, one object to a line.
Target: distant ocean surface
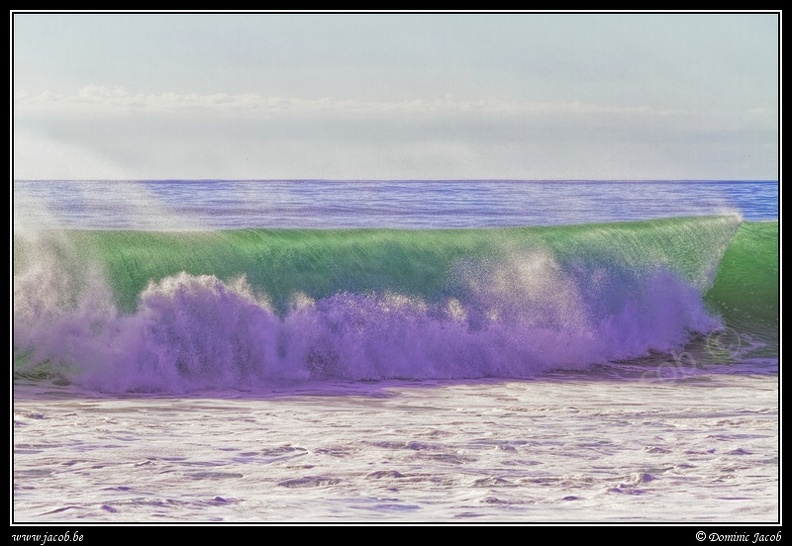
[
  {"x": 444, "y": 350},
  {"x": 420, "y": 204}
]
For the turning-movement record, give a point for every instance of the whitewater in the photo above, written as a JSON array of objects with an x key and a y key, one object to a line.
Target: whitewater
[{"x": 329, "y": 351}]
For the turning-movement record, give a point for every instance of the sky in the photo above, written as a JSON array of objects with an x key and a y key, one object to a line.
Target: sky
[{"x": 395, "y": 96}]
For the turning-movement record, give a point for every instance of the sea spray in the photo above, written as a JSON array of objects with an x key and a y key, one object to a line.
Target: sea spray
[{"x": 62, "y": 303}]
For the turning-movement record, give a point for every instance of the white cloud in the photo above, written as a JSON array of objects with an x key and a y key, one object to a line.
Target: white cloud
[{"x": 95, "y": 101}]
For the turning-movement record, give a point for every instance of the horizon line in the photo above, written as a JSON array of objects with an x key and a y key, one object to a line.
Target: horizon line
[{"x": 179, "y": 179}]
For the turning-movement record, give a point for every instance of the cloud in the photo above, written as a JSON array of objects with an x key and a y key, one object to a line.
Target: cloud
[{"x": 95, "y": 101}]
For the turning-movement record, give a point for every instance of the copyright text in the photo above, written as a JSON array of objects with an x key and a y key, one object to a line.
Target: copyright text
[{"x": 753, "y": 538}]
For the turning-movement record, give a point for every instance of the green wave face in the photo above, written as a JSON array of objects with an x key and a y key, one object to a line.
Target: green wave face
[
  {"x": 746, "y": 289},
  {"x": 320, "y": 263}
]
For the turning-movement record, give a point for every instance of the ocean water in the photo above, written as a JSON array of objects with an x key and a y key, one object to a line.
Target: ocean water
[{"x": 395, "y": 351}]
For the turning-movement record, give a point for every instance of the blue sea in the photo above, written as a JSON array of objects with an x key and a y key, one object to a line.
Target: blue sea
[{"x": 411, "y": 351}]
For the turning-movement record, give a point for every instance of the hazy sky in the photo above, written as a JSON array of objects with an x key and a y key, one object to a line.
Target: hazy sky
[{"x": 525, "y": 96}]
